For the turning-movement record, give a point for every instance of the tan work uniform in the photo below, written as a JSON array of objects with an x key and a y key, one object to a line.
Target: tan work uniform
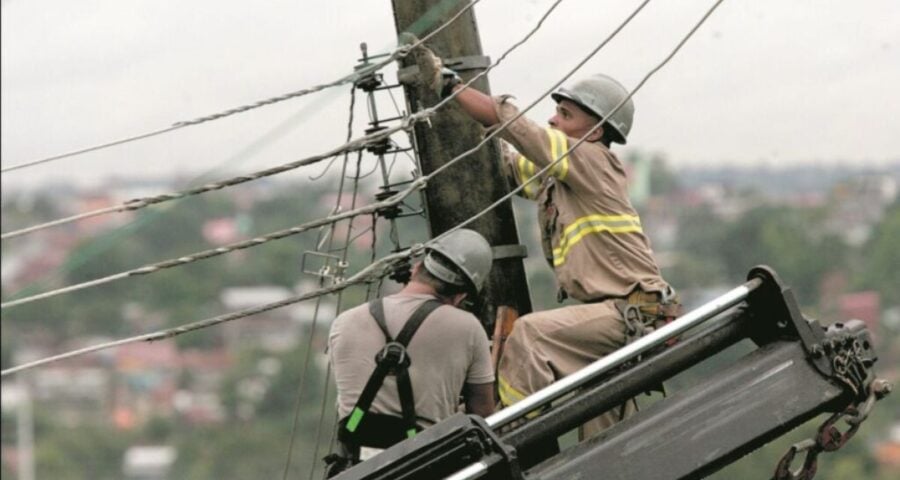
[{"x": 592, "y": 237}]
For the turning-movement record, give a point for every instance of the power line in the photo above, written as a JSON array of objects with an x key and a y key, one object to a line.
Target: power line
[
  {"x": 337, "y": 206},
  {"x": 350, "y": 145},
  {"x": 318, "y": 434},
  {"x": 97, "y": 246},
  {"x": 379, "y": 267},
  {"x": 398, "y": 53},
  {"x": 139, "y": 203},
  {"x": 90, "y": 149},
  {"x": 562, "y": 156},
  {"x": 155, "y": 267},
  {"x": 373, "y": 270},
  {"x": 595, "y": 127},
  {"x": 357, "y": 144}
]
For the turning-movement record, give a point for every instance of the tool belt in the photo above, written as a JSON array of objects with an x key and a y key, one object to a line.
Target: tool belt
[{"x": 644, "y": 312}]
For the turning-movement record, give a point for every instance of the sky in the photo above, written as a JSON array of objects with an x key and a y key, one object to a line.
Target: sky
[{"x": 762, "y": 83}]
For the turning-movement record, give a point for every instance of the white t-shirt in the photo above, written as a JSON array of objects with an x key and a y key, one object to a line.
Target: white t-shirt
[{"x": 449, "y": 349}]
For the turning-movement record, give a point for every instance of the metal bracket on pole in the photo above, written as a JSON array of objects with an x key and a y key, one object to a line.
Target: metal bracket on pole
[
  {"x": 410, "y": 75},
  {"x": 509, "y": 251}
]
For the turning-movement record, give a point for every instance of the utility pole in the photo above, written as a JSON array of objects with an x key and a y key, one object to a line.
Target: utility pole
[{"x": 478, "y": 180}]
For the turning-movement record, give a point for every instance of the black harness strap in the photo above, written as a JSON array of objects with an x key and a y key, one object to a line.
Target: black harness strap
[{"x": 391, "y": 360}]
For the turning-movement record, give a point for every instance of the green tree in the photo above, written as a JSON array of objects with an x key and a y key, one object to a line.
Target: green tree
[
  {"x": 88, "y": 452},
  {"x": 793, "y": 241},
  {"x": 881, "y": 261}
]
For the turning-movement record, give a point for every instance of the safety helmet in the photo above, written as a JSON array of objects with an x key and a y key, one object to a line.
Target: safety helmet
[
  {"x": 466, "y": 250},
  {"x": 599, "y": 94}
]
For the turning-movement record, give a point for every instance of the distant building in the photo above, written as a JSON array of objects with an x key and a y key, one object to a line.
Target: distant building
[
  {"x": 859, "y": 204},
  {"x": 221, "y": 231},
  {"x": 887, "y": 453},
  {"x": 146, "y": 382},
  {"x": 865, "y": 306},
  {"x": 148, "y": 462},
  {"x": 274, "y": 330}
]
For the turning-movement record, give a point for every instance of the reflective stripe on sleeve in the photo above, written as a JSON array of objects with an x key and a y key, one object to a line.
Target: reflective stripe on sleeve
[
  {"x": 584, "y": 226},
  {"x": 526, "y": 171},
  {"x": 559, "y": 144}
]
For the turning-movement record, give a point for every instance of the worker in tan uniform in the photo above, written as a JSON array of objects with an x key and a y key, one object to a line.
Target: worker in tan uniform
[{"x": 591, "y": 235}]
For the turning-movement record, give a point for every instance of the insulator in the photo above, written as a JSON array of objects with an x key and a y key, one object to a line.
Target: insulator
[
  {"x": 381, "y": 146},
  {"x": 401, "y": 271},
  {"x": 370, "y": 82}
]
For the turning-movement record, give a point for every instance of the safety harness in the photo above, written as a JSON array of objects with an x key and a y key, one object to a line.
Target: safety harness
[
  {"x": 644, "y": 312},
  {"x": 363, "y": 428}
]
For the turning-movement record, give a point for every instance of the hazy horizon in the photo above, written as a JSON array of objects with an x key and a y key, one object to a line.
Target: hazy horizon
[{"x": 761, "y": 84}]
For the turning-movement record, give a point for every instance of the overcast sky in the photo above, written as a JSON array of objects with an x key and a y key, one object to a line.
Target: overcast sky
[{"x": 764, "y": 82}]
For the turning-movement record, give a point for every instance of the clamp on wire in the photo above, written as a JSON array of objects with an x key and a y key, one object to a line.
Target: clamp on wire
[{"x": 333, "y": 267}]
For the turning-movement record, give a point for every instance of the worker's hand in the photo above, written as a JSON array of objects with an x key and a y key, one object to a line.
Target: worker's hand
[
  {"x": 449, "y": 79},
  {"x": 432, "y": 72}
]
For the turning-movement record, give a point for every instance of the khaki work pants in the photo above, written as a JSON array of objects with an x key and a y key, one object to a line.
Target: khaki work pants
[{"x": 547, "y": 346}]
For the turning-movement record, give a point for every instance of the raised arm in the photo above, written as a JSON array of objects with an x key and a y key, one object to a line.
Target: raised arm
[{"x": 478, "y": 105}]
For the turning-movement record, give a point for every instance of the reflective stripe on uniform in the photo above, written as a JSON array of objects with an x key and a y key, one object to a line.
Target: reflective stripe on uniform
[
  {"x": 559, "y": 145},
  {"x": 593, "y": 224},
  {"x": 508, "y": 394},
  {"x": 526, "y": 171}
]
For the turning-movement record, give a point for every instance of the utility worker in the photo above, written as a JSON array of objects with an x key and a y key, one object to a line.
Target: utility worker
[
  {"x": 591, "y": 235},
  {"x": 402, "y": 362}
]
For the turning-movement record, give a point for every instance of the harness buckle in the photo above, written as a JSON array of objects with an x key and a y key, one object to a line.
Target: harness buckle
[{"x": 394, "y": 353}]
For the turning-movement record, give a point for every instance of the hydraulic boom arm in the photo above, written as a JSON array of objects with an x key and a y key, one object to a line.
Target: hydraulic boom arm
[{"x": 798, "y": 370}]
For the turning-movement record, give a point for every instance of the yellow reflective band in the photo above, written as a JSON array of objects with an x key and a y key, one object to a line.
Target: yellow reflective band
[
  {"x": 593, "y": 224},
  {"x": 559, "y": 144},
  {"x": 508, "y": 394},
  {"x": 526, "y": 171},
  {"x": 411, "y": 433}
]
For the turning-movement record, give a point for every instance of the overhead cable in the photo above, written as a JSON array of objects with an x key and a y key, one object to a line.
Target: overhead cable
[
  {"x": 356, "y": 145},
  {"x": 155, "y": 267},
  {"x": 139, "y": 203},
  {"x": 397, "y": 54},
  {"x": 98, "y": 246},
  {"x": 351, "y": 145},
  {"x": 319, "y": 246},
  {"x": 583, "y": 138},
  {"x": 375, "y": 269},
  {"x": 371, "y": 271},
  {"x": 359, "y": 277}
]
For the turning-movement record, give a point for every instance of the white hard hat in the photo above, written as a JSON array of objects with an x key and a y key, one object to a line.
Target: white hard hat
[
  {"x": 466, "y": 250},
  {"x": 599, "y": 94}
]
